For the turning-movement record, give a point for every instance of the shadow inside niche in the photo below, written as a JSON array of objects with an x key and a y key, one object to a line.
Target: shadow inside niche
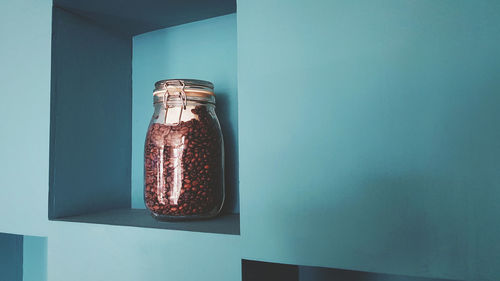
[{"x": 228, "y": 118}]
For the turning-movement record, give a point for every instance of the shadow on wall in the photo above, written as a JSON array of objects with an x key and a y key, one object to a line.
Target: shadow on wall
[
  {"x": 11, "y": 257},
  {"x": 230, "y": 151}
]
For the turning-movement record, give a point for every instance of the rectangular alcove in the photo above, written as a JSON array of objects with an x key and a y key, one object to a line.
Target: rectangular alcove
[
  {"x": 106, "y": 56},
  {"x": 23, "y": 258},
  {"x": 268, "y": 271}
]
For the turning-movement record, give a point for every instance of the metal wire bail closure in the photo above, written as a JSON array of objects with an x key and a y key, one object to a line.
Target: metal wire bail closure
[{"x": 181, "y": 95}]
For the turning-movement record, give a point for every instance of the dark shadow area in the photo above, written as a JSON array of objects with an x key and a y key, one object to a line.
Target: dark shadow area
[
  {"x": 90, "y": 141},
  {"x": 11, "y": 257},
  {"x": 135, "y": 17},
  {"x": 229, "y": 124},
  {"x": 266, "y": 271}
]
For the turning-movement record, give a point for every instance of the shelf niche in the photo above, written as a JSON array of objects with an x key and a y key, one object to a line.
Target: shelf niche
[{"x": 97, "y": 117}]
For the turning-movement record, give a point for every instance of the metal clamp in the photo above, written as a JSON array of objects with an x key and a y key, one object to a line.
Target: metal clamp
[{"x": 181, "y": 95}]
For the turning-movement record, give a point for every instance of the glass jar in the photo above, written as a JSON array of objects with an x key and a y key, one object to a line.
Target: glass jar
[{"x": 184, "y": 152}]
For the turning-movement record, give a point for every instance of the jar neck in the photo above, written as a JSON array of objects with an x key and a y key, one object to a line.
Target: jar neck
[
  {"x": 161, "y": 97},
  {"x": 178, "y": 103}
]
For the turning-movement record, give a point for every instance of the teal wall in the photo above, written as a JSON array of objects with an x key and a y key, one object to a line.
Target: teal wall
[
  {"x": 82, "y": 252},
  {"x": 367, "y": 140},
  {"x": 25, "y": 29},
  {"x": 203, "y": 50},
  {"x": 34, "y": 258},
  {"x": 369, "y": 135}
]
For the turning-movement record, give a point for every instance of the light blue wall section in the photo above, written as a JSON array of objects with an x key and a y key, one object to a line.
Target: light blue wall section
[
  {"x": 82, "y": 252},
  {"x": 34, "y": 258},
  {"x": 24, "y": 113},
  {"x": 369, "y": 135},
  {"x": 11, "y": 257},
  {"x": 202, "y": 50}
]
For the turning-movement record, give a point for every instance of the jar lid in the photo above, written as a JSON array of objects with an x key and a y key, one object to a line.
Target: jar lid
[{"x": 191, "y": 87}]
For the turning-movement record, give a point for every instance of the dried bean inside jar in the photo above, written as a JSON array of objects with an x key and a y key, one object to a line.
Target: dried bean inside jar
[{"x": 183, "y": 163}]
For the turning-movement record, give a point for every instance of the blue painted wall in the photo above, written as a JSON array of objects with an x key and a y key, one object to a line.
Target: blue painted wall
[
  {"x": 369, "y": 135},
  {"x": 34, "y": 258},
  {"x": 82, "y": 252},
  {"x": 368, "y": 140},
  {"x": 201, "y": 50},
  {"x": 11, "y": 257},
  {"x": 25, "y": 28}
]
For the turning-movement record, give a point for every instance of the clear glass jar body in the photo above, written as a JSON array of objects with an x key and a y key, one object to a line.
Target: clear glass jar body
[{"x": 184, "y": 161}]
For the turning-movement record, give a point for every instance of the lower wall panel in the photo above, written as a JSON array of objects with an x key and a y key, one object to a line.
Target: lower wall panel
[
  {"x": 34, "y": 258},
  {"x": 131, "y": 254}
]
